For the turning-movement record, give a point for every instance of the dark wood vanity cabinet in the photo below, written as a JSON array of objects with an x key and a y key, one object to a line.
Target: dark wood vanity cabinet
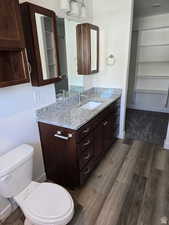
[
  {"x": 39, "y": 26},
  {"x": 87, "y": 36},
  {"x": 11, "y": 32},
  {"x": 69, "y": 155}
]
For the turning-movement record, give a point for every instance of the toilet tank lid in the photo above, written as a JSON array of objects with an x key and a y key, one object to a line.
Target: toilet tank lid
[{"x": 14, "y": 158}]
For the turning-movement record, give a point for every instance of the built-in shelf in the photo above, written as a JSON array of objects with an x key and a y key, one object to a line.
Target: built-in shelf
[
  {"x": 151, "y": 28},
  {"x": 153, "y": 45},
  {"x": 152, "y": 77},
  {"x": 167, "y": 61},
  {"x": 145, "y": 91}
]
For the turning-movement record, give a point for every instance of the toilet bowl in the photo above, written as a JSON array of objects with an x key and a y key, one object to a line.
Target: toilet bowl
[
  {"x": 41, "y": 203},
  {"x": 46, "y": 203}
]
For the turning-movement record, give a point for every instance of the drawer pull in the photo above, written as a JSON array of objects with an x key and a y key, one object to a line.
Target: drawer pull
[
  {"x": 87, "y": 171},
  {"x": 87, "y": 143},
  {"x": 86, "y": 131},
  {"x": 87, "y": 157},
  {"x": 63, "y": 137},
  {"x": 105, "y": 123}
]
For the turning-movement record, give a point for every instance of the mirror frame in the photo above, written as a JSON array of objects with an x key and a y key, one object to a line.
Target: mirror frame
[
  {"x": 83, "y": 33},
  {"x": 29, "y": 11}
]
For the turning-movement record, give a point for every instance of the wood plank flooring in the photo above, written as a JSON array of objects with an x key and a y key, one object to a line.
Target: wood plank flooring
[{"x": 129, "y": 187}]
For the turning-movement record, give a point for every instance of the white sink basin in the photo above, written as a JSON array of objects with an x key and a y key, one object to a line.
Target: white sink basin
[{"x": 91, "y": 105}]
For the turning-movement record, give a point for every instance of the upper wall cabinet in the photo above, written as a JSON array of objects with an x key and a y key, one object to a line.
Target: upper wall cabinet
[
  {"x": 41, "y": 41},
  {"x": 11, "y": 34},
  {"x": 13, "y": 57},
  {"x": 87, "y": 49}
]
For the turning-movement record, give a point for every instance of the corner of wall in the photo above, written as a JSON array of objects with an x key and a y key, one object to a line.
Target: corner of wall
[
  {"x": 166, "y": 142},
  {"x": 5, "y": 209}
]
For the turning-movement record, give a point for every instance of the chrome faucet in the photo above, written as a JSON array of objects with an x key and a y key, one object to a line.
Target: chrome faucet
[{"x": 81, "y": 96}]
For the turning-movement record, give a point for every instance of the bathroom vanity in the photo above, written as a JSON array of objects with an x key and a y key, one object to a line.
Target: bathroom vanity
[{"x": 76, "y": 136}]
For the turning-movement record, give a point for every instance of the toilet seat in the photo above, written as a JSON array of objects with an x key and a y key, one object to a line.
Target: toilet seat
[{"x": 49, "y": 204}]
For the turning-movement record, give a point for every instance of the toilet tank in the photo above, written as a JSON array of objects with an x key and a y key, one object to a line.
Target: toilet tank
[{"x": 16, "y": 171}]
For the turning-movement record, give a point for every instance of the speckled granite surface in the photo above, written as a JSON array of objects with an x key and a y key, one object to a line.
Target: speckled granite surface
[{"x": 69, "y": 114}]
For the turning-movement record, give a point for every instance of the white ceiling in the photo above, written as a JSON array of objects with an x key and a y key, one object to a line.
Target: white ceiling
[{"x": 144, "y": 7}]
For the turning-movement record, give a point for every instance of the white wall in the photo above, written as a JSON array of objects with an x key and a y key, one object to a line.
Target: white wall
[
  {"x": 115, "y": 21},
  {"x": 17, "y": 115},
  {"x": 17, "y": 111}
]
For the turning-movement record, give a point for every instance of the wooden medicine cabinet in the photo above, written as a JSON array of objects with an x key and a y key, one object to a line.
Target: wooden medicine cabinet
[
  {"x": 11, "y": 32},
  {"x": 87, "y": 48},
  {"x": 41, "y": 41}
]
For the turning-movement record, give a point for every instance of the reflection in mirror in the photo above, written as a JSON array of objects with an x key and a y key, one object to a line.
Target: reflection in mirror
[
  {"x": 47, "y": 46},
  {"x": 93, "y": 50},
  {"x": 72, "y": 82},
  {"x": 74, "y": 79},
  {"x": 61, "y": 39}
]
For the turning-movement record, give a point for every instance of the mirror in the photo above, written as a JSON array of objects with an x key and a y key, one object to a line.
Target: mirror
[
  {"x": 39, "y": 25},
  {"x": 94, "y": 54},
  {"x": 47, "y": 46},
  {"x": 68, "y": 44},
  {"x": 87, "y": 49},
  {"x": 66, "y": 35}
]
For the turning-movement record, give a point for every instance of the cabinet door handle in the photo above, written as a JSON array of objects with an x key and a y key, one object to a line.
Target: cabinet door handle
[
  {"x": 86, "y": 131},
  {"x": 87, "y": 157},
  {"x": 87, "y": 171},
  {"x": 87, "y": 143},
  {"x": 28, "y": 63},
  {"x": 105, "y": 123},
  {"x": 63, "y": 137},
  {"x": 29, "y": 68}
]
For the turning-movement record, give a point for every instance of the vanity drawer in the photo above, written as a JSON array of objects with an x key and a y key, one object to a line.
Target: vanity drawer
[
  {"x": 84, "y": 174},
  {"x": 86, "y": 143},
  {"x": 86, "y": 150},
  {"x": 88, "y": 127},
  {"x": 85, "y": 157},
  {"x": 85, "y": 130}
]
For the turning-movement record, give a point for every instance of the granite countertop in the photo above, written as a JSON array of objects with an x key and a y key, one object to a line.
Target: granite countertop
[{"x": 68, "y": 113}]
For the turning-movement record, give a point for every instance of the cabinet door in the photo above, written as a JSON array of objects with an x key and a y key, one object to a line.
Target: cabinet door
[
  {"x": 108, "y": 132},
  {"x": 87, "y": 48},
  {"x": 42, "y": 43},
  {"x": 11, "y": 34},
  {"x": 59, "y": 151},
  {"x": 13, "y": 67},
  {"x": 98, "y": 137}
]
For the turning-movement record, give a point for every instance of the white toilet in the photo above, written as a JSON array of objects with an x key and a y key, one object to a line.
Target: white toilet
[{"x": 41, "y": 203}]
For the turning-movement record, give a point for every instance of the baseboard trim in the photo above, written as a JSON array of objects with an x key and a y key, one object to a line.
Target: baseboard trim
[
  {"x": 166, "y": 144},
  {"x": 122, "y": 135},
  {"x": 5, "y": 213}
]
